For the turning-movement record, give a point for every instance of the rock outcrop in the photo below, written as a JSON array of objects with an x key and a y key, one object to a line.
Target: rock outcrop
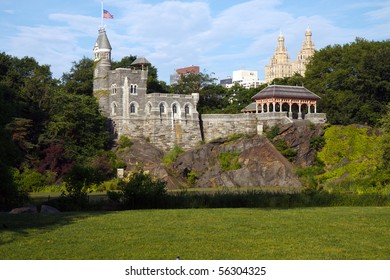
[
  {"x": 298, "y": 136},
  {"x": 261, "y": 165},
  {"x": 144, "y": 154}
]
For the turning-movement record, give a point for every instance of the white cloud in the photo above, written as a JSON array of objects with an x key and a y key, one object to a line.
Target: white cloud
[{"x": 174, "y": 34}]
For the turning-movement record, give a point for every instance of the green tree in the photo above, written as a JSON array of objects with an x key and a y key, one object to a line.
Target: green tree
[
  {"x": 353, "y": 81},
  {"x": 80, "y": 78},
  {"x": 191, "y": 82}
]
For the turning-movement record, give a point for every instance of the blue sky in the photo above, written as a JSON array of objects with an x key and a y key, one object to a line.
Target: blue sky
[{"x": 218, "y": 35}]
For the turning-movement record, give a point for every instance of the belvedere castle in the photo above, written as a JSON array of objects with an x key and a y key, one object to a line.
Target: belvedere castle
[{"x": 167, "y": 119}]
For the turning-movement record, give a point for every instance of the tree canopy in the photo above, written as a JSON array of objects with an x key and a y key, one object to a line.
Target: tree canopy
[{"x": 353, "y": 81}]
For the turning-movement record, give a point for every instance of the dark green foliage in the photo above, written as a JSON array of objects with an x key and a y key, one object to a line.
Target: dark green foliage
[
  {"x": 281, "y": 145},
  {"x": 229, "y": 161},
  {"x": 317, "y": 143},
  {"x": 273, "y": 132},
  {"x": 141, "y": 190},
  {"x": 191, "y": 82},
  {"x": 124, "y": 142},
  {"x": 353, "y": 81},
  {"x": 80, "y": 79}
]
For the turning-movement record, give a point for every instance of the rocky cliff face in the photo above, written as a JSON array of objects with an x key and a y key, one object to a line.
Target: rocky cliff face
[
  {"x": 260, "y": 163},
  {"x": 298, "y": 136}
]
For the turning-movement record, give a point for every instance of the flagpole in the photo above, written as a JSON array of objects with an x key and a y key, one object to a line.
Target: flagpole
[{"x": 101, "y": 20}]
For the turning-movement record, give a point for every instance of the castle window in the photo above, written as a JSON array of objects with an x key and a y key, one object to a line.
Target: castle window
[
  {"x": 113, "y": 109},
  {"x": 133, "y": 109},
  {"x": 133, "y": 89},
  {"x": 113, "y": 89},
  {"x": 174, "y": 109},
  {"x": 186, "y": 110},
  {"x": 162, "y": 108}
]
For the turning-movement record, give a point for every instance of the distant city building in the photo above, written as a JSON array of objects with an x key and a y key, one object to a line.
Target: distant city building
[
  {"x": 282, "y": 67},
  {"x": 174, "y": 78},
  {"x": 245, "y": 78},
  {"x": 226, "y": 82}
]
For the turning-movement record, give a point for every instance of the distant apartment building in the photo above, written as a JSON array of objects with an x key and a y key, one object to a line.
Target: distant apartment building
[
  {"x": 281, "y": 66},
  {"x": 245, "y": 78},
  {"x": 174, "y": 78}
]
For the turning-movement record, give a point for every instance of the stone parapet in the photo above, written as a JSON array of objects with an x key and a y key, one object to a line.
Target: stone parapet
[{"x": 222, "y": 125}]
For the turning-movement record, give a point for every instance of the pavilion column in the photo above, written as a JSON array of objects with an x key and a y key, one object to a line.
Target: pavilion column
[
  {"x": 290, "y": 110},
  {"x": 309, "y": 109},
  {"x": 257, "y": 108},
  {"x": 299, "y": 110},
  {"x": 274, "y": 106},
  {"x": 315, "y": 108},
  {"x": 280, "y": 107}
]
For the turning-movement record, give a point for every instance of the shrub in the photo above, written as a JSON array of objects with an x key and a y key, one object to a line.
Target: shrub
[
  {"x": 141, "y": 190},
  {"x": 273, "y": 132},
  {"x": 317, "y": 142},
  {"x": 192, "y": 177},
  {"x": 31, "y": 181},
  {"x": 124, "y": 142},
  {"x": 172, "y": 155},
  {"x": 229, "y": 161},
  {"x": 281, "y": 145}
]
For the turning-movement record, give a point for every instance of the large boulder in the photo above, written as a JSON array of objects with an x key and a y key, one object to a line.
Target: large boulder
[
  {"x": 49, "y": 209},
  {"x": 23, "y": 210}
]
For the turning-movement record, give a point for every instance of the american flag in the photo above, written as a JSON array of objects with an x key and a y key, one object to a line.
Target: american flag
[{"x": 107, "y": 14}]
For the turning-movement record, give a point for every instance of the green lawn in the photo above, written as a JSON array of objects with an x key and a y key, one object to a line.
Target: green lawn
[{"x": 305, "y": 233}]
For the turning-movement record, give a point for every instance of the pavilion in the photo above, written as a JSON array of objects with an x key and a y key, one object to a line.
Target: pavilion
[{"x": 294, "y": 102}]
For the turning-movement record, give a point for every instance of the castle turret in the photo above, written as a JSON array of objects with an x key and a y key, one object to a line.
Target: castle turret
[{"x": 102, "y": 62}]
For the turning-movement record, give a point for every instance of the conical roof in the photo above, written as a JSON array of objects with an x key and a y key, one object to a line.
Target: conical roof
[
  {"x": 140, "y": 61},
  {"x": 102, "y": 40}
]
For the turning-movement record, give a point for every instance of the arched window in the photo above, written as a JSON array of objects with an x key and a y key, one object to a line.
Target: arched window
[
  {"x": 186, "y": 110},
  {"x": 113, "y": 109},
  {"x": 162, "y": 108},
  {"x": 133, "y": 109},
  {"x": 174, "y": 109},
  {"x": 135, "y": 89}
]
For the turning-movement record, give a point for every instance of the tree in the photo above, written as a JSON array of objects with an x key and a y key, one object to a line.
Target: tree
[
  {"x": 353, "y": 81},
  {"x": 80, "y": 78},
  {"x": 191, "y": 83}
]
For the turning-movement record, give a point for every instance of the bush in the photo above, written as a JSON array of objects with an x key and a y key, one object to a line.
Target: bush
[
  {"x": 229, "y": 161},
  {"x": 141, "y": 190},
  {"x": 273, "y": 132},
  {"x": 172, "y": 155},
  {"x": 192, "y": 177},
  {"x": 281, "y": 145},
  {"x": 317, "y": 142},
  {"x": 30, "y": 180},
  {"x": 124, "y": 142}
]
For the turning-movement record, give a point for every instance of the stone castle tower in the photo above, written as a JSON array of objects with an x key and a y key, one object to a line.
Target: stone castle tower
[
  {"x": 163, "y": 119},
  {"x": 281, "y": 66}
]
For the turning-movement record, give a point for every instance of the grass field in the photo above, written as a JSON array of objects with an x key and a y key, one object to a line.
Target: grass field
[{"x": 304, "y": 233}]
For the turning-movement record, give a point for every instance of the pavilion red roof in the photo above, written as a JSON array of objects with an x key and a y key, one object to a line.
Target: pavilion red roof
[{"x": 291, "y": 92}]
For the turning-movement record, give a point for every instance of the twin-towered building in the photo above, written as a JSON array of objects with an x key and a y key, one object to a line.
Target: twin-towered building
[{"x": 281, "y": 66}]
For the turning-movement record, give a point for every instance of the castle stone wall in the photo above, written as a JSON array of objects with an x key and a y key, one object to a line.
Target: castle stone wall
[{"x": 222, "y": 125}]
